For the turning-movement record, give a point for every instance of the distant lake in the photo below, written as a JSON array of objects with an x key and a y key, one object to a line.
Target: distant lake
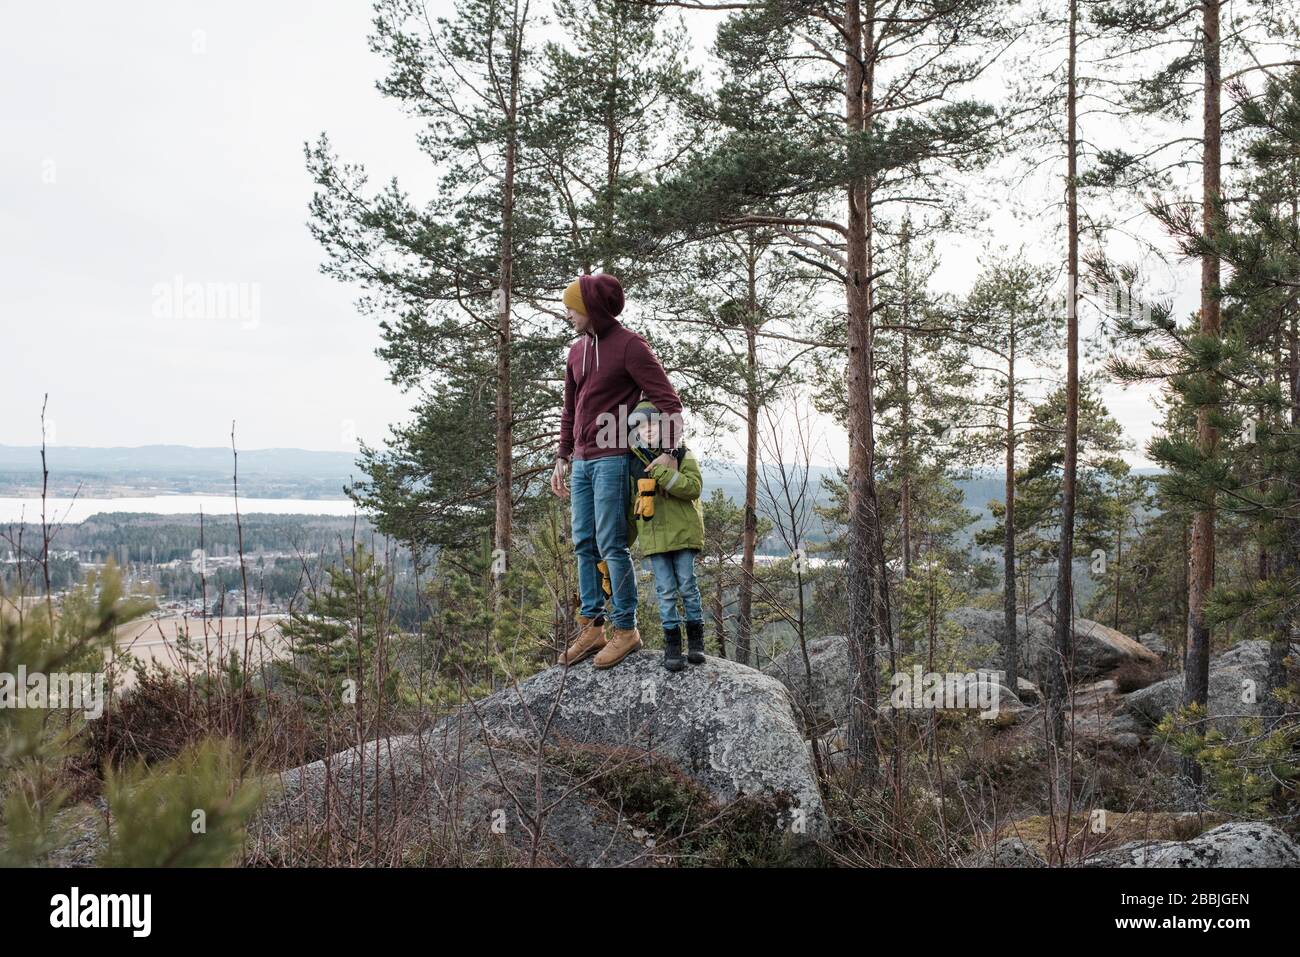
[{"x": 66, "y": 510}]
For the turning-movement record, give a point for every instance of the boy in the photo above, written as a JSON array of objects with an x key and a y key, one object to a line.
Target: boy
[{"x": 670, "y": 528}]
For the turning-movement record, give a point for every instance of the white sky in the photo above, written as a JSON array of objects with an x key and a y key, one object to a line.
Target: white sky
[
  {"x": 163, "y": 140},
  {"x": 176, "y": 153}
]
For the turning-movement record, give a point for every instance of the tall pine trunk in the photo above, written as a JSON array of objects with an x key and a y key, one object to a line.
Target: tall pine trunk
[
  {"x": 1011, "y": 643},
  {"x": 717, "y": 610},
  {"x": 502, "y": 532},
  {"x": 1279, "y": 650},
  {"x": 905, "y": 491},
  {"x": 744, "y": 618},
  {"x": 1201, "y": 572},
  {"x": 863, "y": 537},
  {"x": 1064, "y": 625}
]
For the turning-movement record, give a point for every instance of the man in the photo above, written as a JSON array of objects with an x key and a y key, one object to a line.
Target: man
[{"x": 610, "y": 368}]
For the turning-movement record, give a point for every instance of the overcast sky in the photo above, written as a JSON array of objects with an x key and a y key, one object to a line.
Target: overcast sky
[
  {"x": 151, "y": 141},
  {"x": 160, "y": 143}
]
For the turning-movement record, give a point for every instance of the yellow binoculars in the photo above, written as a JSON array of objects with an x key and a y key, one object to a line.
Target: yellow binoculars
[{"x": 645, "y": 499}]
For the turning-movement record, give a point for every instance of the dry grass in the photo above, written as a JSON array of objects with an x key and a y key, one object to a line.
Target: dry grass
[{"x": 1117, "y": 827}]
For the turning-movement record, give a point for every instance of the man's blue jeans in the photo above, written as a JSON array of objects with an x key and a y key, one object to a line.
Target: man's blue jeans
[
  {"x": 600, "y": 493},
  {"x": 675, "y": 576}
]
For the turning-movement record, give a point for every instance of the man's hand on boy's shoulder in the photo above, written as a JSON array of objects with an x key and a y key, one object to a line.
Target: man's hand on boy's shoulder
[{"x": 667, "y": 460}]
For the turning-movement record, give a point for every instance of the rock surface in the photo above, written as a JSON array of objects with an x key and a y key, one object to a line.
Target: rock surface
[
  {"x": 1008, "y": 852},
  {"x": 1153, "y": 642},
  {"x": 1238, "y": 683},
  {"x": 832, "y": 678},
  {"x": 982, "y": 636},
  {"x": 729, "y": 728},
  {"x": 416, "y": 791},
  {"x": 1027, "y": 691},
  {"x": 1098, "y": 648},
  {"x": 1240, "y": 844}
]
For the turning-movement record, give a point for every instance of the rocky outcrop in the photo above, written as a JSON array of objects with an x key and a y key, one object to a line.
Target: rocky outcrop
[
  {"x": 1027, "y": 691},
  {"x": 728, "y": 727},
  {"x": 1241, "y": 844},
  {"x": 399, "y": 797},
  {"x": 727, "y": 731},
  {"x": 983, "y": 634},
  {"x": 827, "y": 699},
  {"x": 1098, "y": 649},
  {"x": 1238, "y": 683},
  {"x": 1154, "y": 643}
]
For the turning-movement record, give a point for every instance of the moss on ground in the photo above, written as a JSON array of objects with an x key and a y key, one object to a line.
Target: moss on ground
[{"x": 690, "y": 829}]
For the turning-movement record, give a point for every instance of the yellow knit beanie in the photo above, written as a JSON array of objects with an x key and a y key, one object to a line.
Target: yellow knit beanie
[{"x": 573, "y": 298}]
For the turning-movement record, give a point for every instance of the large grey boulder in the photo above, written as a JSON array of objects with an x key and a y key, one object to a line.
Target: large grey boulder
[
  {"x": 1240, "y": 844},
  {"x": 1098, "y": 649},
  {"x": 1154, "y": 642},
  {"x": 827, "y": 699},
  {"x": 725, "y": 730},
  {"x": 825, "y": 704},
  {"x": 728, "y": 727},
  {"x": 1238, "y": 685},
  {"x": 982, "y": 633}
]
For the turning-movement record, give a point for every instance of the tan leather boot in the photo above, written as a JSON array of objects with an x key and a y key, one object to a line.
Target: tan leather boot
[
  {"x": 591, "y": 638},
  {"x": 623, "y": 642}
]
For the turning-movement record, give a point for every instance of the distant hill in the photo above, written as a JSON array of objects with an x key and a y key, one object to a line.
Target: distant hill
[
  {"x": 175, "y": 469},
  {"x": 303, "y": 473},
  {"x": 176, "y": 458}
]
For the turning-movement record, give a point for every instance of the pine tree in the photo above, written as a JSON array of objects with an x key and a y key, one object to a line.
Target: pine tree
[
  {"x": 1192, "y": 68},
  {"x": 866, "y": 112},
  {"x": 1007, "y": 327},
  {"x": 445, "y": 277},
  {"x": 1101, "y": 474},
  {"x": 343, "y": 640},
  {"x": 734, "y": 330}
]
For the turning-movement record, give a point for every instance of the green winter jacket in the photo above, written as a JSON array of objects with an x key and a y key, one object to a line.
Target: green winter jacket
[{"x": 678, "y": 521}]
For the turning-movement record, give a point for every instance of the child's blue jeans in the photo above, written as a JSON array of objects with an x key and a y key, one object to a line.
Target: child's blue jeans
[{"x": 674, "y": 578}]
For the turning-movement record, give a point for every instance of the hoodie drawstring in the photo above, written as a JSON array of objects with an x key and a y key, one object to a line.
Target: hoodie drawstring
[{"x": 596, "y": 343}]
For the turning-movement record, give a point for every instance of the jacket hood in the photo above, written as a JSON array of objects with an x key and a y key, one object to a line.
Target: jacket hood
[{"x": 602, "y": 294}]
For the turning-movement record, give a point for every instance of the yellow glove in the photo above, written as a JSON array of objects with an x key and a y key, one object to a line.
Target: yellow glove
[
  {"x": 605, "y": 584},
  {"x": 645, "y": 499}
]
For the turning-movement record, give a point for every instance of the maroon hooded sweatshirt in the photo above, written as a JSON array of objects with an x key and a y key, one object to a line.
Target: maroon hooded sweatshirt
[{"x": 609, "y": 370}]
